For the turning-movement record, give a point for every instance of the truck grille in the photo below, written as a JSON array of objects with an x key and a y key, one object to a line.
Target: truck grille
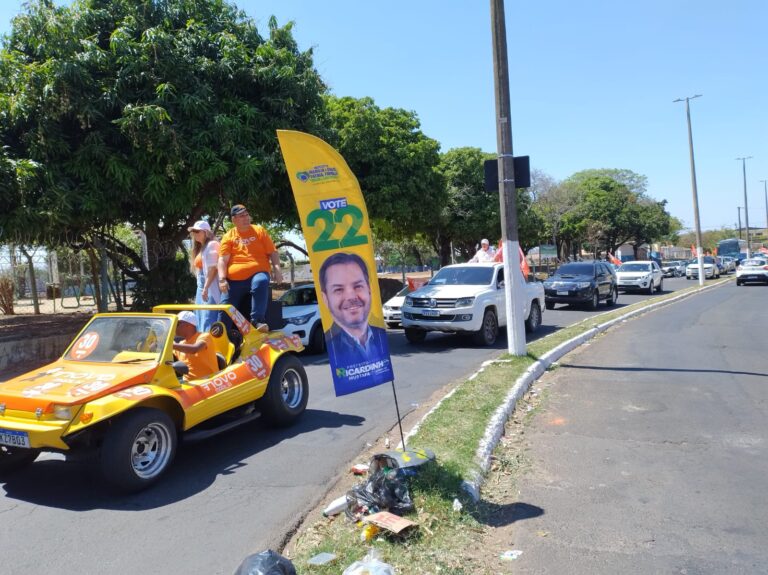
[{"x": 434, "y": 302}]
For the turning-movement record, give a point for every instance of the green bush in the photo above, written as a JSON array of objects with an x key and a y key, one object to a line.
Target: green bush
[{"x": 170, "y": 282}]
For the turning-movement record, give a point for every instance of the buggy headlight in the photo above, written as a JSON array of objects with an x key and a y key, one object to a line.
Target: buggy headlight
[{"x": 64, "y": 412}]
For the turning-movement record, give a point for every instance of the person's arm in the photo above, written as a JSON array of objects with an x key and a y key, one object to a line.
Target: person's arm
[
  {"x": 190, "y": 347},
  {"x": 222, "y": 273},
  {"x": 275, "y": 259},
  {"x": 211, "y": 269}
]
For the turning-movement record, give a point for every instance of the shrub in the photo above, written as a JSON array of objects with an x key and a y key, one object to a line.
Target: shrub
[{"x": 6, "y": 294}]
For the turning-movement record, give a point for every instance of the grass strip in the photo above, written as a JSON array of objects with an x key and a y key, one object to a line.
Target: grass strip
[{"x": 453, "y": 431}]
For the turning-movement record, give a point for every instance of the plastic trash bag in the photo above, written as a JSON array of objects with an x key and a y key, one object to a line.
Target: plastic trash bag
[
  {"x": 370, "y": 565},
  {"x": 266, "y": 563},
  {"x": 385, "y": 490}
]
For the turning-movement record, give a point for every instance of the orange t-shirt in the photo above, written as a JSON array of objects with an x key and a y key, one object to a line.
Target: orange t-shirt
[
  {"x": 203, "y": 363},
  {"x": 248, "y": 252}
]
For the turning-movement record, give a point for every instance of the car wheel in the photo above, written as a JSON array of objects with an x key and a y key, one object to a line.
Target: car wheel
[
  {"x": 415, "y": 335},
  {"x": 13, "y": 458},
  {"x": 661, "y": 285},
  {"x": 549, "y": 304},
  {"x": 287, "y": 391},
  {"x": 738, "y": 283},
  {"x": 317, "y": 339},
  {"x": 534, "y": 317},
  {"x": 138, "y": 448},
  {"x": 614, "y": 297},
  {"x": 595, "y": 302},
  {"x": 650, "y": 287},
  {"x": 489, "y": 329}
]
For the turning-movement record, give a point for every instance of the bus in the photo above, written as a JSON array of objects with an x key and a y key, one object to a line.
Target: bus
[{"x": 732, "y": 247}]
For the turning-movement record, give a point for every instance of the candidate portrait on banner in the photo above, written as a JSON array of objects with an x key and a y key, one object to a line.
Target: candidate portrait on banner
[{"x": 346, "y": 292}]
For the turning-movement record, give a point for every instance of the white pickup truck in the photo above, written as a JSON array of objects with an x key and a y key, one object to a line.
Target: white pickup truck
[{"x": 467, "y": 298}]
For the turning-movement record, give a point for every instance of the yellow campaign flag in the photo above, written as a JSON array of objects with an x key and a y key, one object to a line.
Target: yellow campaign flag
[{"x": 334, "y": 220}]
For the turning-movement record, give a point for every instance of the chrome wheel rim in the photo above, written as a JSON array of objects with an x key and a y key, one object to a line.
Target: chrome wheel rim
[
  {"x": 291, "y": 389},
  {"x": 151, "y": 450}
]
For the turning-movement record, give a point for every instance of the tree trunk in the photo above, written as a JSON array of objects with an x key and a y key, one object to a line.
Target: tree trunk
[{"x": 32, "y": 279}]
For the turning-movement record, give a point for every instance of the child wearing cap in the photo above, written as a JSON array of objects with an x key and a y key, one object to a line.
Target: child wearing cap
[
  {"x": 197, "y": 349},
  {"x": 204, "y": 266}
]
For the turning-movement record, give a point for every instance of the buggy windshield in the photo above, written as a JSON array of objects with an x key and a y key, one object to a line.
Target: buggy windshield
[{"x": 121, "y": 339}]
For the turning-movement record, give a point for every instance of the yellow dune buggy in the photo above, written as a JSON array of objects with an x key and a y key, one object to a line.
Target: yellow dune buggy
[{"x": 118, "y": 390}]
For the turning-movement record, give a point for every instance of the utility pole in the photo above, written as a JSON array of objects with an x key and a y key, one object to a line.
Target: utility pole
[
  {"x": 513, "y": 286},
  {"x": 695, "y": 190},
  {"x": 739, "y": 209},
  {"x": 746, "y": 206}
]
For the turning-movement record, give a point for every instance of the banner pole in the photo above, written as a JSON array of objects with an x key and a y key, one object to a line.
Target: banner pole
[{"x": 397, "y": 409}]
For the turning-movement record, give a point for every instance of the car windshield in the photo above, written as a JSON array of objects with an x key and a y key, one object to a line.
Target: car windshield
[
  {"x": 299, "y": 296},
  {"x": 576, "y": 270},
  {"x": 121, "y": 339},
  {"x": 469, "y": 275},
  {"x": 753, "y": 263},
  {"x": 635, "y": 267}
]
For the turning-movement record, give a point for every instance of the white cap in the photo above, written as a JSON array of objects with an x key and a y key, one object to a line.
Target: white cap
[
  {"x": 484, "y": 241},
  {"x": 189, "y": 317},
  {"x": 200, "y": 225}
]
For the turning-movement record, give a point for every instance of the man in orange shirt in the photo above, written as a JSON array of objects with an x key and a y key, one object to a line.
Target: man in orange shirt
[
  {"x": 245, "y": 256},
  {"x": 197, "y": 350}
]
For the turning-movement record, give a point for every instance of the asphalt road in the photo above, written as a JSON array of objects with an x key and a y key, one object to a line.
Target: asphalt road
[
  {"x": 232, "y": 495},
  {"x": 650, "y": 454}
]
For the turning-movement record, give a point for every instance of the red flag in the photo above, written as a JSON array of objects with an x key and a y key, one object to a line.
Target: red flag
[
  {"x": 524, "y": 267},
  {"x": 694, "y": 253},
  {"x": 613, "y": 259},
  {"x": 499, "y": 257}
]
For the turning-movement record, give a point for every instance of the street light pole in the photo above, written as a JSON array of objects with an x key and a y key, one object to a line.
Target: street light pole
[
  {"x": 693, "y": 185},
  {"x": 765, "y": 189},
  {"x": 513, "y": 286},
  {"x": 746, "y": 206},
  {"x": 739, "y": 208}
]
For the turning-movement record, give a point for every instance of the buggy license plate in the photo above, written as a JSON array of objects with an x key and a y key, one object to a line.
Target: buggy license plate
[
  {"x": 13, "y": 438},
  {"x": 430, "y": 312},
  {"x": 562, "y": 292}
]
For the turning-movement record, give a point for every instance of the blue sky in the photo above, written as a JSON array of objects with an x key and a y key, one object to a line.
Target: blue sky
[{"x": 592, "y": 83}]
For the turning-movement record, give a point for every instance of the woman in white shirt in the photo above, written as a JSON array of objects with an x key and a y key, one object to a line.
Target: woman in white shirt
[{"x": 205, "y": 256}]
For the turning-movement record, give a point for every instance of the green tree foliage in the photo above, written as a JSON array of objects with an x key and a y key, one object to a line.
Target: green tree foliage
[
  {"x": 470, "y": 212},
  {"x": 395, "y": 163},
  {"x": 146, "y": 112}
]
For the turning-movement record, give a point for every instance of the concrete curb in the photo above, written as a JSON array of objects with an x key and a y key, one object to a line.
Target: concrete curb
[{"x": 495, "y": 429}]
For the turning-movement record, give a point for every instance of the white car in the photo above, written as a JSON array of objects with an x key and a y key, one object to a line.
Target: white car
[
  {"x": 467, "y": 298},
  {"x": 301, "y": 315},
  {"x": 710, "y": 269},
  {"x": 752, "y": 270},
  {"x": 642, "y": 275},
  {"x": 673, "y": 269},
  {"x": 392, "y": 313}
]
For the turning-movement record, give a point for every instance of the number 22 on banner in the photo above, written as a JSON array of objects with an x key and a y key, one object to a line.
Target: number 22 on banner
[{"x": 330, "y": 220}]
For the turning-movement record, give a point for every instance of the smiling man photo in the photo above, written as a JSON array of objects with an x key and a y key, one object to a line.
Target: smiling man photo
[{"x": 346, "y": 292}]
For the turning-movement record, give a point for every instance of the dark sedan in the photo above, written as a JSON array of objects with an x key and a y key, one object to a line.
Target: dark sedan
[{"x": 581, "y": 282}]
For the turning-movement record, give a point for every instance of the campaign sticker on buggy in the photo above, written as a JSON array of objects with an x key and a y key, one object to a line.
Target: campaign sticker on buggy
[
  {"x": 85, "y": 345},
  {"x": 242, "y": 324}
]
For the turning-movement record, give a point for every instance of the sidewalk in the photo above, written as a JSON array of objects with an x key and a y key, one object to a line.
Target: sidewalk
[{"x": 642, "y": 457}]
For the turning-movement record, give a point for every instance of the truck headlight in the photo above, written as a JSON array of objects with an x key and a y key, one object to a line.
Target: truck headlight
[
  {"x": 465, "y": 301},
  {"x": 582, "y": 285},
  {"x": 299, "y": 319},
  {"x": 408, "y": 300}
]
